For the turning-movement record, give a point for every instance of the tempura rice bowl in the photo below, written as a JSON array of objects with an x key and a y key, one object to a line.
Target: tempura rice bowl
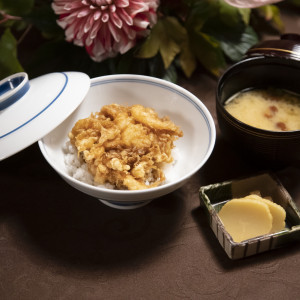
[{"x": 167, "y": 99}]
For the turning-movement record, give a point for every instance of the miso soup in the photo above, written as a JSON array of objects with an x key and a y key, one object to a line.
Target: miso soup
[{"x": 269, "y": 109}]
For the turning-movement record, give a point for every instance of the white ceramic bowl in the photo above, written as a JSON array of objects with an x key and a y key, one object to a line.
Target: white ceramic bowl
[{"x": 184, "y": 109}]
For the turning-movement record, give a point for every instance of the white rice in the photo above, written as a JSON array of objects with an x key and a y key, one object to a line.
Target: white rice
[
  {"x": 75, "y": 165},
  {"x": 77, "y": 168}
]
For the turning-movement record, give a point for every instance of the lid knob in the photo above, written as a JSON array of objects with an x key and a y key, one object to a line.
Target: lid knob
[
  {"x": 12, "y": 88},
  {"x": 291, "y": 36},
  {"x": 287, "y": 47}
]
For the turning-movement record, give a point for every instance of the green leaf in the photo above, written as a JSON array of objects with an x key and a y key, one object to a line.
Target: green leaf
[
  {"x": 151, "y": 46},
  {"x": 16, "y": 7},
  {"x": 171, "y": 74},
  {"x": 174, "y": 29},
  {"x": 187, "y": 60},
  {"x": 208, "y": 52},
  {"x": 271, "y": 14},
  {"x": 168, "y": 50},
  {"x": 216, "y": 28},
  {"x": 156, "y": 67},
  {"x": 266, "y": 12},
  {"x": 9, "y": 63},
  {"x": 233, "y": 16},
  {"x": 235, "y": 45},
  {"x": 166, "y": 38},
  {"x": 245, "y": 14},
  {"x": 235, "y": 37},
  {"x": 171, "y": 39},
  {"x": 200, "y": 12},
  {"x": 229, "y": 15}
]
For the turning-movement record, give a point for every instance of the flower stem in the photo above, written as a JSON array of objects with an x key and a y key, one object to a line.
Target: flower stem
[
  {"x": 7, "y": 17},
  {"x": 22, "y": 37}
]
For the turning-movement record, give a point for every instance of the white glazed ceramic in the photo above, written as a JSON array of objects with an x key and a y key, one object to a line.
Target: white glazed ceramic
[
  {"x": 183, "y": 108},
  {"x": 31, "y": 109},
  {"x": 12, "y": 88}
]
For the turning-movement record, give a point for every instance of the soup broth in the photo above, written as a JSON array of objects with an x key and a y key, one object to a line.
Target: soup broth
[{"x": 269, "y": 109}]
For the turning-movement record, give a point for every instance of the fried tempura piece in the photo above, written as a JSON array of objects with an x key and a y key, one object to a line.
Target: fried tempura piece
[{"x": 126, "y": 146}]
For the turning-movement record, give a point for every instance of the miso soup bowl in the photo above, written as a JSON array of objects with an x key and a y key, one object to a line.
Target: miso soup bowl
[{"x": 272, "y": 64}]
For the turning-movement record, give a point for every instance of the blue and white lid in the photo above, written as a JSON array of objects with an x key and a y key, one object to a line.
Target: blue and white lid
[{"x": 30, "y": 109}]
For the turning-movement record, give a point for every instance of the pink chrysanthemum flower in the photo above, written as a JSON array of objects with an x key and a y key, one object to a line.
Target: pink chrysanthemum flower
[
  {"x": 250, "y": 3},
  {"x": 105, "y": 27}
]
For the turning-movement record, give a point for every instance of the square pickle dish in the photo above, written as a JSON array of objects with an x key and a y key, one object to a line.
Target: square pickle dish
[{"x": 214, "y": 196}]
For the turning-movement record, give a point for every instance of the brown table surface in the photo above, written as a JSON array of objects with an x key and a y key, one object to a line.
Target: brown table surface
[{"x": 58, "y": 243}]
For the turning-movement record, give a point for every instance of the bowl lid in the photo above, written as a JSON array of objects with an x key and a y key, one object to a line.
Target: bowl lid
[
  {"x": 288, "y": 46},
  {"x": 30, "y": 109}
]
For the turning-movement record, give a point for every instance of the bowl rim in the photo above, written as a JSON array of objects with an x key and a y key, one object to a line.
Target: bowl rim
[{"x": 165, "y": 186}]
